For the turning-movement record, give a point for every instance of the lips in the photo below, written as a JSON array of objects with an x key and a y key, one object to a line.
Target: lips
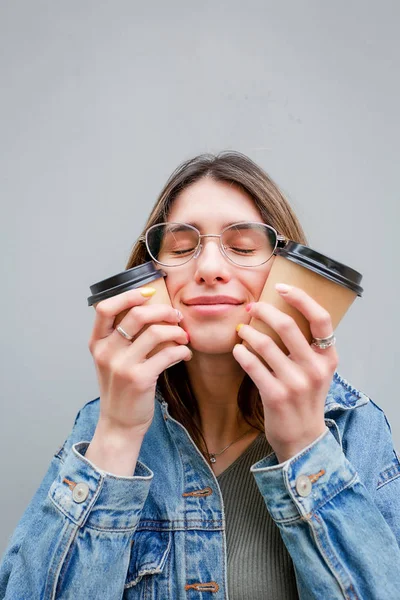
[{"x": 209, "y": 300}]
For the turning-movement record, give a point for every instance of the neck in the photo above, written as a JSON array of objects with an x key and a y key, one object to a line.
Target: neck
[{"x": 215, "y": 381}]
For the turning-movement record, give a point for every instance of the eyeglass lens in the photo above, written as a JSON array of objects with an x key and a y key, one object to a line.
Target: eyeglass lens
[{"x": 245, "y": 244}]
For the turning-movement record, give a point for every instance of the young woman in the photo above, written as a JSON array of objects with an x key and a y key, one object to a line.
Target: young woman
[{"x": 199, "y": 472}]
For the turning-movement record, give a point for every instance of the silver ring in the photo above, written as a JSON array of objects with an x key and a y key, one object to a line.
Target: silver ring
[
  {"x": 324, "y": 343},
  {"x": 124, "y": 334}
]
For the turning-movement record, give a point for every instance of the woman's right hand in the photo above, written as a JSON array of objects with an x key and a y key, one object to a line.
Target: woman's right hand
[{"x": 127, "y": 378}]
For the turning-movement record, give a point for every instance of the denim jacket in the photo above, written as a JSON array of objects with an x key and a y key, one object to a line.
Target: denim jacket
[{"x": 159, "y": 534}]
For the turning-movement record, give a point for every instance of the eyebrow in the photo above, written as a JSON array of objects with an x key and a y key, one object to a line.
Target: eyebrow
[{"x": 198, "y": 226}]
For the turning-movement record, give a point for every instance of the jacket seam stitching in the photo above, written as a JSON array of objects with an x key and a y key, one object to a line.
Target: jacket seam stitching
[
  {"x": 183, "y": 521},
  {"x": 61, "y": 561},
  {"x": 308, "y": 516},
  {"x": 81, "y": 522},
  {"x": 60, "y": 508},
  {"x": 336, "y": 492},
  {"x": 129, "y": 529},
  {"x": 181, "y": 528},
  {"x": 345, "y": 588},
  {"x": 383, "y": 483},
  {"x": 349, "y": 387}
]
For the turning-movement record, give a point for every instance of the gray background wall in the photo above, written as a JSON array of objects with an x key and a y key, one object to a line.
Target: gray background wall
[{"x": 101, "y": 100}]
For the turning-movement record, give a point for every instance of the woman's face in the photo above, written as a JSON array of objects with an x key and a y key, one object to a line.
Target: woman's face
[{"x": 210, "y": 206}]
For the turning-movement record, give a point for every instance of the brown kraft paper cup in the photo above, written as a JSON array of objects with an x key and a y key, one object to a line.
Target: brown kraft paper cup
[
  {"x": 145, "y": 275},
  {"x": 330, "y": 283}
]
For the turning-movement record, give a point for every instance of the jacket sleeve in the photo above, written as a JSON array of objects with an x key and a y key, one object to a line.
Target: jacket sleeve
[
  {"x": 340, "y": 533},
  {"x": 75, "y": 537}
]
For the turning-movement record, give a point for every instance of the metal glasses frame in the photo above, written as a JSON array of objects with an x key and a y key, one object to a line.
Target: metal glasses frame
[{"x": 281, "y": 242}]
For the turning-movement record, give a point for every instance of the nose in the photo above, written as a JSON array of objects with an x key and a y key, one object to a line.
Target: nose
[{"x": 211, "y": 266}]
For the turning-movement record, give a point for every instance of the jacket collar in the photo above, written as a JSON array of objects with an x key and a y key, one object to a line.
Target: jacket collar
[{"x": 342, "y": 396}]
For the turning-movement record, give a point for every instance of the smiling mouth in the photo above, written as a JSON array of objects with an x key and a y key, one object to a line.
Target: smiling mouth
[
  {"x": 213, "y": 304},
  {"x": 210, "y": 309},
  {"x": 216, "y": 301}
]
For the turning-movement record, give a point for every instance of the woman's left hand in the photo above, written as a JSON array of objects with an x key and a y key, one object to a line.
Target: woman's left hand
[{"x": 294, "y": 394}]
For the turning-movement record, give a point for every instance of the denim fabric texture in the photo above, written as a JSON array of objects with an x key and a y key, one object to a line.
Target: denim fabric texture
[{"x": 160, "y": 534}]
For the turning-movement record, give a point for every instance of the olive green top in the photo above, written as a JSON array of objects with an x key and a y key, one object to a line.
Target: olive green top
[{"x": 259, "y": 566}]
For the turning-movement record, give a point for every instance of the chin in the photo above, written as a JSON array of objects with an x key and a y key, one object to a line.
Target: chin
[{"x": 215, "y": 344}]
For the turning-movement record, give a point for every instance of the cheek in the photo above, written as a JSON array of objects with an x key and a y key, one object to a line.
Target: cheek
[
  {"x": 174, "y": 283},
  {"x": 258, "y": 281}
]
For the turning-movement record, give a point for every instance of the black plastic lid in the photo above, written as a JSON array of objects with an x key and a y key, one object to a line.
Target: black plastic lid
[
  {"x": 322, "y": 265},
  {"x": 124, "y": 281}
]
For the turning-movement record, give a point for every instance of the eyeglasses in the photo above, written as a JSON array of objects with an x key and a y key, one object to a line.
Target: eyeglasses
[{"x": 245, "y": 244}]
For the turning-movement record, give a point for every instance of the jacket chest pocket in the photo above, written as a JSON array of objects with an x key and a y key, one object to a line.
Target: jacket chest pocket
[{"x": 149, "y": 567}]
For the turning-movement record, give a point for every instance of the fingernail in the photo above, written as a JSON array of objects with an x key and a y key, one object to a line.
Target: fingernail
[
  {"x": 249, "y": 306},
  {"x": 188, "y": 336},
  {"x": 283, "y": 288},
  {"x": 147, "y": 292},
  {"x": 180, "y": 315},
  {"x": 239, "y": 326},
  {"x": 189, "y": 358}
]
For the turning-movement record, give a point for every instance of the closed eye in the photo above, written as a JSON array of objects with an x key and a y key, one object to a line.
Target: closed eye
[
  {"x": 185, "y": 251},
  {"x": 241, "y": 250}
]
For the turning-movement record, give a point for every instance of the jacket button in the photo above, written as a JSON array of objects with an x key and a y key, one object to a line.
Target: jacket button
[
  {"x": 303, "y": 485},
  {"x": 80, "y": 492}
]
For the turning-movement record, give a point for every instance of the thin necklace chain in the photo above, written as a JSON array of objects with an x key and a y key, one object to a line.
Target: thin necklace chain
[{"x": 213, "y": 455}]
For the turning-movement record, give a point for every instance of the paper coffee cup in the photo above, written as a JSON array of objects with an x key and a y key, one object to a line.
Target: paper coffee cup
[
  {"x": 332, "y": 284},
  {"x": 143, "y": 275}
]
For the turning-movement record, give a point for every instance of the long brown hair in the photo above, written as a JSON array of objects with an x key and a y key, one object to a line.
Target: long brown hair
[{"x": 237, "y": 169}]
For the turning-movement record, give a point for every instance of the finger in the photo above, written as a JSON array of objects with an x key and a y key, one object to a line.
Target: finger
[
  {"x": 167, "y": 358},
  {"x": 265, "y": 381},
  {"x": 284, "y": 368},
  {"x": 318, "y": 317},
  {"x": 107, "y": 310},
  {"x": 140, "y": 316},
  {"x": 153, "y": 336},
  {"x": 287, "y": 329}
]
